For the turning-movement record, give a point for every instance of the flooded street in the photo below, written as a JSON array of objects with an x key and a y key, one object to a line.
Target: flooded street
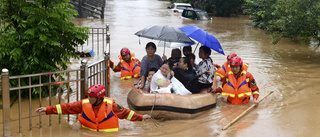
[{"x": 289, "y": 69}]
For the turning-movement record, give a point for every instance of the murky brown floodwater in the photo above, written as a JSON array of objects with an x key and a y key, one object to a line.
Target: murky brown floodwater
[{"x": 290, "y": 69}]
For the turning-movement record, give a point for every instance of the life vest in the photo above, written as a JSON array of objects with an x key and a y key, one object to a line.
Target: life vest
[
  {"x": 237, "y": 90},
  {"x": 129, "y": 70},
  {"x": 245, "y": 66},
  {"x": 222, "y": 71},
  {"x": 106, "y": 120}
]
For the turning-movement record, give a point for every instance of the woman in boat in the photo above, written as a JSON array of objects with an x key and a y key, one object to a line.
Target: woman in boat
[
  {"x": 186, "y": 75},
  {"x": 151, "y": 60},
  {"x": 192, "y": 59},
  {"x": 205, "y": 70},
  {"x": 161, "y": 80}
]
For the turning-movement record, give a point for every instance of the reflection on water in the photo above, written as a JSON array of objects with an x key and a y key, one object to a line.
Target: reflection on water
[{"x": 290, "y": 69}]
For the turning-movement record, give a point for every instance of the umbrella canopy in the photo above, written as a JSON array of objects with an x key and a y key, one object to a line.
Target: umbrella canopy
[
  {"x": 174, "y": 44},
  {"x": 203, "y": 37},
  {"x": 164, "y": 33}
]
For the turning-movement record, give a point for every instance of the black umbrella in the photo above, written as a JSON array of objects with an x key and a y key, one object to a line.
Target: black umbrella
[{"x": 164, "y": 33}]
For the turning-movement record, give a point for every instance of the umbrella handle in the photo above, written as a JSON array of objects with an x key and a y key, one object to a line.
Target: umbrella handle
[{"x": 196, "y": 48}]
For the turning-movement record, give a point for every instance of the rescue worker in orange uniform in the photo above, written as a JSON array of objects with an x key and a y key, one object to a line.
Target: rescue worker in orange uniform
[
  {"x": 222, "y": 71},
  {"x": 239, "y": 84},
  {"x": 128, "y": 65},
  {"x": 97, "y": 112}
]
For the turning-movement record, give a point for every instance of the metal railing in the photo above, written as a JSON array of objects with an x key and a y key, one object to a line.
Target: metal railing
[
  {"x": 89, "y": 8},
  {"x": 76, "y": 80},
  {"x": 98, "y": 41}
]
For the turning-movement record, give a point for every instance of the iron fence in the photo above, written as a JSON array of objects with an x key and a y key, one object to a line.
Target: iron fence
[{"x": 76, "y": 80}]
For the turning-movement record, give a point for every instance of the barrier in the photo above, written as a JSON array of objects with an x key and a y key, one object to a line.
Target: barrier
[
  {"x": 89, "y": 8},
  {"x": 75, "y": 79}
]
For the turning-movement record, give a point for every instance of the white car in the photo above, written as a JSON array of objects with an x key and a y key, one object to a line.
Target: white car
[{"x": 179, "y": 7}]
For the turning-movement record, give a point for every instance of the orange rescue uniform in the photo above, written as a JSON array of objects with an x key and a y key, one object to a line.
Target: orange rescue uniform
[
  {"x": 222, "y": 71},
  {"x": 103, "y": 117},
  {"x": 129, "y": 69},
  {"x": 239, "y": 88}
]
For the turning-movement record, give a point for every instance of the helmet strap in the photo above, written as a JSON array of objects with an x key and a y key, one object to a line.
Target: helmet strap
[{"x": 98, "y": 102}]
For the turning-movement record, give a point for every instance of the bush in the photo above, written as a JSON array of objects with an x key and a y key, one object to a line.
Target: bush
[
  {"x": 296, "y": 19},
  {"x": 38, "y": 36}
]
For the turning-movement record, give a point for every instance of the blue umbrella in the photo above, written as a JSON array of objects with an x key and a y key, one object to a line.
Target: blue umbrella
[{"x": 203, "y": 37}]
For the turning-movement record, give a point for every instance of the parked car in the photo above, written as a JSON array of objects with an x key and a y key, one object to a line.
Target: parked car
[
  {"x": 179, "y": 7},
  {"x": 195, "y": 14}
]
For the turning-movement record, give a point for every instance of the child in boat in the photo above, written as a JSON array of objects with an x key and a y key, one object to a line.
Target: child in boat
[
  {"x": 151, "y": 72},
  {"x": 205, "y": 70}
]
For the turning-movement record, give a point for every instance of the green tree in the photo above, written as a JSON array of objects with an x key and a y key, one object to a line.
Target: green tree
[
  {"x": 38, "y": 36},
  {"x": 260, "y": 11},
  {"x": 296, "y": 19}
]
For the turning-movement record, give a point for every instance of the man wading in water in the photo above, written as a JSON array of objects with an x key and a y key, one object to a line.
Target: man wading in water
[{"x": 98, "y": 113}]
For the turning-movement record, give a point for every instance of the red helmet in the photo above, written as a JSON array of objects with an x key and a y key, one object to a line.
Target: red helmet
[
  {"x": 231, "y": 55},
  {"x": 236, "y": 61},
  {"x": 124, "y": 51},
  {"x": 97, "y": 90}
]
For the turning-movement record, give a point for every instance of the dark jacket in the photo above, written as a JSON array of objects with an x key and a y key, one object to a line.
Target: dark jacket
[{"x": 188, "y": 79}]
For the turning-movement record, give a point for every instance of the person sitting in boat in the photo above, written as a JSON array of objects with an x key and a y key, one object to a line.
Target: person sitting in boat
[
  {"x": 186, "y": 75},
  {"x": 192, "y": 58},
  {"x": 151, "y": 72},
  {"x": 151, "y": 60},
  {"x": 161, "y": 80},
  {"x": 146, "y": 88},
  {"x": 128, "y": 65},
  {"x": 175, "y": 56},
  {"x": 222, "y": 71},
  {"x": 205, "y": 70},
  {"x": 239, "y": 84},
  {"x": 187, "y": 50},
  {"x": 97, "y": 112}
]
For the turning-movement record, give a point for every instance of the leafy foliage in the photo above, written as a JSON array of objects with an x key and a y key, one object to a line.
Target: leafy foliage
[
  {"x": 38, "y": 36},
  {"x": 296, "y": 19}
]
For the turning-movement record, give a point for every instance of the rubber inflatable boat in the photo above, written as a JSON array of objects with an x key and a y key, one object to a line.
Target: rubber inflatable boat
[{"x": 170, "y": 106}]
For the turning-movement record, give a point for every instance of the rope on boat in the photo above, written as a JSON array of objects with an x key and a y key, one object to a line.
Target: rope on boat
[
  {"x": 152, "y": 118},
  {"x": 154, "y": 103}
]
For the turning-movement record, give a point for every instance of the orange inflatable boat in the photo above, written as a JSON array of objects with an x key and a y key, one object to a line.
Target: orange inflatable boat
[{"x": 170, "y": 106}]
